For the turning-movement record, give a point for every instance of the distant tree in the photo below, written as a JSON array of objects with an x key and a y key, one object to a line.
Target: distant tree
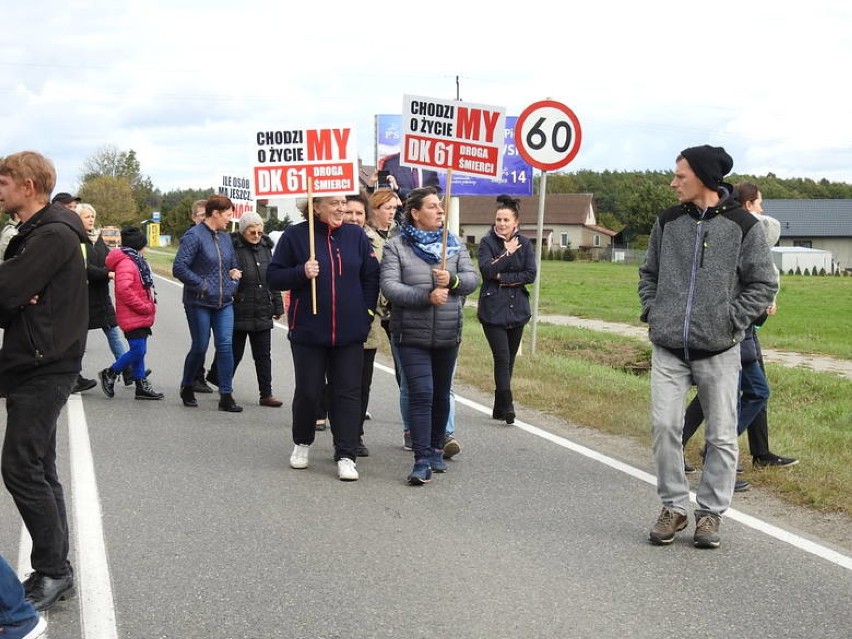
[
  {"x": 175, "y": 208},
  {"x": 108, "y": 161},
  {"x": 609, "y": 220},
  {"x": 644, "y": 204},
  {"x": 112, "y": 198}
]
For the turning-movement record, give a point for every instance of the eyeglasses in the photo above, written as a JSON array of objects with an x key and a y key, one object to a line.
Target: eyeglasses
[{"x": 255, "y": 233}]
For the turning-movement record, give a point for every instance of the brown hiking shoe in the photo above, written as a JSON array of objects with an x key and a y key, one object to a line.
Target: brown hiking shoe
[
  {"x": 668, "y": 523},
  {"x": 707, "y": 531}
]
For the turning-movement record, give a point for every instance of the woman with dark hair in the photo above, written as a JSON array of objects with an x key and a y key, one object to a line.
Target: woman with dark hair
[
  {"x": 754, "y": 387},
  {"x": 507, "y": 264},
  {"x": 207, "y": 266},
  {"x": 330, "y": 341},
  {"x": 427, "y": 300}
]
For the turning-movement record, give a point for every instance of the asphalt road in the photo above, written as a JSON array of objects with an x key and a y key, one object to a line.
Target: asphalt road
[{"x": 189, "y": 523}]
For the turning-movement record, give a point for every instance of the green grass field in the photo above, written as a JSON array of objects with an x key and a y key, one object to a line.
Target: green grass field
[{"x": 814, "y": 313}]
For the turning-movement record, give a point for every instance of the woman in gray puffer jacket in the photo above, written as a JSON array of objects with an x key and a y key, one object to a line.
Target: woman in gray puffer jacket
[{"x": 427, "y": 302}]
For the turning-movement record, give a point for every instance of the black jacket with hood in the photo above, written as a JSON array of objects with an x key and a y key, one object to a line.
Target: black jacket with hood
[{"x": 45, "y": 259}]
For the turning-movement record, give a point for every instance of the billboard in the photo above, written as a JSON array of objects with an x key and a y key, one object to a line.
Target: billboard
[{"x": 517, "y": 176}]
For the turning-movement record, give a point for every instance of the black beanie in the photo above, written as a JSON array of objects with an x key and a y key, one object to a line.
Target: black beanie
[
  {"x": 710, "y": 164},
  {"x": 131, "y": 237}
]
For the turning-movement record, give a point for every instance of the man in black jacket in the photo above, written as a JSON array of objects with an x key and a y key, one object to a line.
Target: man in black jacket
[{"x": 44, "y": 314}]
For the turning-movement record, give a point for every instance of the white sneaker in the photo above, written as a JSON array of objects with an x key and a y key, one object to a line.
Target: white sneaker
[
  {"x": 346, "y": 470},
  {"x": 299, "y": 458}
]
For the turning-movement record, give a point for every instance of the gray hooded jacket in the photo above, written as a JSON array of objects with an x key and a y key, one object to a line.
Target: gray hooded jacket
[{"x": 705, "y": 278}]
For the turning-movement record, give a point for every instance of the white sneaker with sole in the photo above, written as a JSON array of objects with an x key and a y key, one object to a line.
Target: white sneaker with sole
[
  {"x": 299, "y": 458},
  {"x": 346, "y": 470}
]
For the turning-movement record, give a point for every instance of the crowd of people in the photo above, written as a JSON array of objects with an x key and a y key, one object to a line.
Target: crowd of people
[{"x": 359, "y": 267}]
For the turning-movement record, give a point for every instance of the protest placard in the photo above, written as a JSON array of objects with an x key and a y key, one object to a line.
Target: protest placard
[{"x": 286, "y": 160}]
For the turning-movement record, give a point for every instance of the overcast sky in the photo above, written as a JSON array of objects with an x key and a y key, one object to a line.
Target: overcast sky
[{"x": 185, "y": 82}]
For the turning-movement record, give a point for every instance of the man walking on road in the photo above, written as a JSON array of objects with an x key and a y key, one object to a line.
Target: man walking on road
[
  {"x": 44, "y": 312},
  {"x": 706, "y": 277}
]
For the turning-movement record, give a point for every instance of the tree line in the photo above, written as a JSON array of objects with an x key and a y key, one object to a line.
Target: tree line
[
  {"x": 113, "y": 182},
  {"x": 631, "y": 200}
]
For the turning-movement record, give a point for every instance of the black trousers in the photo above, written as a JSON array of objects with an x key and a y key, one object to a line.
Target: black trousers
[
  {"x": 28, "y": 465},
  {"x": 342, "y": 365},
  {"x": 504, "y": 343},
  {"x": 366, "y": 382},
  {"x": 261, "y": 352}
]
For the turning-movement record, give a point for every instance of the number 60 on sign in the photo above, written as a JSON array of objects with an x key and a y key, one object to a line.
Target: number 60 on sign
[{"x": 548, "y": 135}]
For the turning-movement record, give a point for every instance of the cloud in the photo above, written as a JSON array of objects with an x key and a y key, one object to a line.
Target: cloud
[{"x": 184, "y": 84}]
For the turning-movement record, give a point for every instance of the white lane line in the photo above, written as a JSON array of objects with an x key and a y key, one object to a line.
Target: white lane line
[
  {"x": 747, "y": 520},
  {"x": 94, "y": 588}
]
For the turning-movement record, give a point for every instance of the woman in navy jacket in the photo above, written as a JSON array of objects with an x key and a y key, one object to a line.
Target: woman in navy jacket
[
  {"x": 207, "y": 266},
  {"x": 507, "y": 264},
  {"x": 346, "y": 272}
]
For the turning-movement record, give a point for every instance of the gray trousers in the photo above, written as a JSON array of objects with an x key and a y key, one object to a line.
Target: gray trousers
[{"x": 717, "y": 379}]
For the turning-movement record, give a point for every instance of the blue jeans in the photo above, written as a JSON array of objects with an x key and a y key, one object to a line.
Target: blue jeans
[
  {"x": 134, "y": 359},
  {"x": 429, "y": 374},
  {"x": 201, "y": 320},
  {"x": 14, "y": 609},
  {"x": 116, "y": 344},
  {"x": 755, "y": 395},
  {"x": 403, "y": 395}
]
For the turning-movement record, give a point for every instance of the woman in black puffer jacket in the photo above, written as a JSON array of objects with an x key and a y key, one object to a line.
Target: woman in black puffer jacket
[
  {"x": 255, "y": 305},
  {"x": 507, "y": 264}
]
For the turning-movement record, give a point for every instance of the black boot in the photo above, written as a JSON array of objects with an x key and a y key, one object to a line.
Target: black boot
[
  {"x": 188, "y": 396},
  {"x": 227, "y": 404},
  {"x": 127, "y": 375},
  {"x": 144, "y": 390},
  {"x": 498, "y": 412},
  {"x": 508, "y": 407},
  {"x": 108, "y": 377}
]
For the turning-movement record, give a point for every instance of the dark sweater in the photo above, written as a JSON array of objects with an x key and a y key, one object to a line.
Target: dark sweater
[{"x": 347, "y": 286}]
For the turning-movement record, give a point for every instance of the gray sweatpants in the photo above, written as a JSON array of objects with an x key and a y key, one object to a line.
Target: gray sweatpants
[{"x": 717, "y": 379}]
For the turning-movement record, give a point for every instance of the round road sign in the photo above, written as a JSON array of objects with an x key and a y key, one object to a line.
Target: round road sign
[{"x": 548, "y": 135}]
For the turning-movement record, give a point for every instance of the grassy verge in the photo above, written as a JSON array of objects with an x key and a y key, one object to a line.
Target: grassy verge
[
  {"x": 813, "y": 317},
  {"x": 596, "y": 379}
]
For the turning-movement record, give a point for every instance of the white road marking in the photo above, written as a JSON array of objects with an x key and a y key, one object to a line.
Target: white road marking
[
  {"x": 747, "y": 520},
  {"x": 94, "y": 588}
]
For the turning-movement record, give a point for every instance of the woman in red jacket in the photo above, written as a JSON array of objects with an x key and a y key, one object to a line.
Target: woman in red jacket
[{"x": 135, "y": 308}]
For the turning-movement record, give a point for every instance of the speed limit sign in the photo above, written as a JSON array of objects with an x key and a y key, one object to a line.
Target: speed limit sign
[{"x": 548, "y": 135}]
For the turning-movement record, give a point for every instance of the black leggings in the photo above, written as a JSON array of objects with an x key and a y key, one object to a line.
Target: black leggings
[{"x": 504, "y": 343}]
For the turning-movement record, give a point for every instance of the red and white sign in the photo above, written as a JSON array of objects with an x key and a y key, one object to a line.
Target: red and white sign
[
  {"x": 446, "y": 134},
  {"x": 285, "y": 160},
  {"x": 548, "y": 135},
  {"x": 238, "y": 189}
]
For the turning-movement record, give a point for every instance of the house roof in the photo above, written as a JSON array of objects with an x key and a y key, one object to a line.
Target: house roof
[
  {"x": 812, "y": 218},
  {"x": 560, "y": 208}
]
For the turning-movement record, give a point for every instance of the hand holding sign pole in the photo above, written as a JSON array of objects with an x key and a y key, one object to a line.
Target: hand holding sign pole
[{"x": 548, "y": 136}]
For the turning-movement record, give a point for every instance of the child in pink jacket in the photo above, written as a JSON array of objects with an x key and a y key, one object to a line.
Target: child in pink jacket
[{"x": 135, "y": 309}]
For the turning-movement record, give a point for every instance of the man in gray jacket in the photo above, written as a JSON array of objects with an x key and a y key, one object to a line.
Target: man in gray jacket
[{"x": 706, "y": 277}]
